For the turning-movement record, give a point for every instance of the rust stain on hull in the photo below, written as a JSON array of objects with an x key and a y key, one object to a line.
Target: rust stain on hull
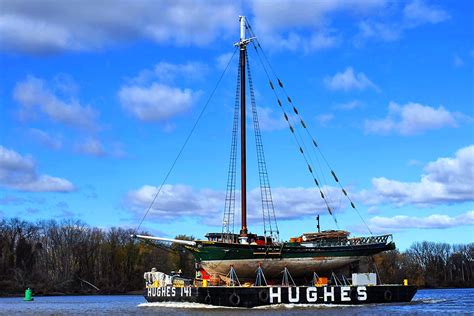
[{"x": 272, "y": 268}]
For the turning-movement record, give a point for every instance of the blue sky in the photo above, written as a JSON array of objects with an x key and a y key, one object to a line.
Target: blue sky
[{"x": 96, "y": 100}]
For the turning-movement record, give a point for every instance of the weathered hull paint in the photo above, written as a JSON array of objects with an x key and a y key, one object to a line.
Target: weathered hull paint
[
  {"x": 299, "y": 267},
  {"x": 301, "y": 261},
  {"x": 221, "y": 251},
  {"x": 265, "y": 295}
]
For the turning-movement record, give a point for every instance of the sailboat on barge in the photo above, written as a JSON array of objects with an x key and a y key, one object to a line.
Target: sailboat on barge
[{"x": 227, "y": 254}]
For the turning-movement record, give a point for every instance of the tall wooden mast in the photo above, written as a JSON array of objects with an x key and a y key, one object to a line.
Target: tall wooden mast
[{"x": 243, "y": 153}]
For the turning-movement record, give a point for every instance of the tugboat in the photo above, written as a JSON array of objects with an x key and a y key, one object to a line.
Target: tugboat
[{"x": 258, "y": 257}]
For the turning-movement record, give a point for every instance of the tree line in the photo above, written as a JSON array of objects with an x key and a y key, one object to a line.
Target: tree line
[
  {"x": 71, "y": 257},
  {"x": 429, "y": 264}
]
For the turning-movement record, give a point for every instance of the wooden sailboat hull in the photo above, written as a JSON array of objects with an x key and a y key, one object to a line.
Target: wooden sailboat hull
[
  {"x": 300, "y": 260},
  {"x": 299, "y": 267}
]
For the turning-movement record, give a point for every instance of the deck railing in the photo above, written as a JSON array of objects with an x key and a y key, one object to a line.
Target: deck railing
[{"x": 356, "y": 241}]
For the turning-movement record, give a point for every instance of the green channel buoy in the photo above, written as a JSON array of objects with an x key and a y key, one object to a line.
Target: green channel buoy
[{"x": 28, "y": 295}]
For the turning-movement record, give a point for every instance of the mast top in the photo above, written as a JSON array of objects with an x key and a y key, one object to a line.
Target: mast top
[
  {"x": 243, "y": 41},
  {"x": 242, "y": 27}
]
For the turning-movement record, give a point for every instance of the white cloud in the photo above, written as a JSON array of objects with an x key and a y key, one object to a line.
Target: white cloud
[
  {"x": 18, "y": 172},
  {"x": 57, "y": 26},
  {"x": 94, "y": 147},
  {"x": 413, "y": 118},
  {"x": 299, "y": 202},
  {"x": 167, "y": 72},
  {"x": 24, "y": 34},
  {"x": 53, "y": 142},
  {"x": 223, "y": 60},
  {"x": 319, "y": 41},
  {"x": 391, "y": 28},
  {"x": 176, "y": 201},
  {"x": 446, "y": 180},
  {"x": 417, "y": 12},
  {"x": 308, "y": 25},
  {"x": 324, "y": 119},
  {"x": 348, "y": 80},
  {"x": 351, "y": 105},
  {"x": 373, "y": 210},
  {"x": 414, "y": 162},
  {"x": 150, "y": 97},
  {"x": 435, "y": 221},
  {"x": 207, "y": 205},
  {"x": 274, "y": 19},
  {"x": 296, "y": 42},
  {"x": 270, "y": 121},
  {"x": 378, "y": 30},
  {"x": 156, "y": 102},
  {"x": 91, "y": 146},
  {"x": 35, "y": 97}
]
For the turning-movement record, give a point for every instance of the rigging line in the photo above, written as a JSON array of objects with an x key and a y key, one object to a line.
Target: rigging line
[
  {"x": 324, "y": 158},
  {"x": 258, "y": 142},
  {"x": 322, "y": 154},
  {"x": 298, "y": 143},
  {"x": 229, "y": 204},
  {"x": 186, "y": 141},
  {"x": 295, "y": 124},
  {"x": 265, "y": 189},
  {"x": 307, "y": 131},
  {"x": 315, "y": 177}
]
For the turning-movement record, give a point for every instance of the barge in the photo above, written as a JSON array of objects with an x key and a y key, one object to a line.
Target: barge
[{"x": 175, "y": 289}]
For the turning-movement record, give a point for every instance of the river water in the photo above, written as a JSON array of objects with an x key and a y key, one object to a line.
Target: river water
[{"x": 445, "y": 301}]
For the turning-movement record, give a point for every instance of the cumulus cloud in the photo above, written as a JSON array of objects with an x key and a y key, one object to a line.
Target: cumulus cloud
[
  {"x": 91, "y": 146},
  {"x": 300, "y": 202},
  {"x": 207, "y": 205},
  {"x": 175, "y": 201},
  {"x": 269, "y": 120},
  {"x": 307, "y": 26},
  {"x": 348, "y": 80},
  {"x": 274, "y": 19},
  {"x": 223, "y": 60},
  {"x": 324, "y": 119},
  {"x": 35, "y": 98},
  {"x": 418, "y": 12},
  {"x": 156, "y": 102},
  {"x": 445, "y": 180},
  {"x": 54, "y": 26},
  {"x": 413, "y": 14},
  {"x": 151, "y": 97},
  {"x": 168, "y": 72},
  {"x": 378, "y": 30},
  {"x": 53, "y": 142},
  {"x": 297, "y": 42},
  {"x": 19, "y": 172},
  {"x": 435, "y": 221},
  {"x": 347, "y": 106},
  {"x": 413, "y": 118}
]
